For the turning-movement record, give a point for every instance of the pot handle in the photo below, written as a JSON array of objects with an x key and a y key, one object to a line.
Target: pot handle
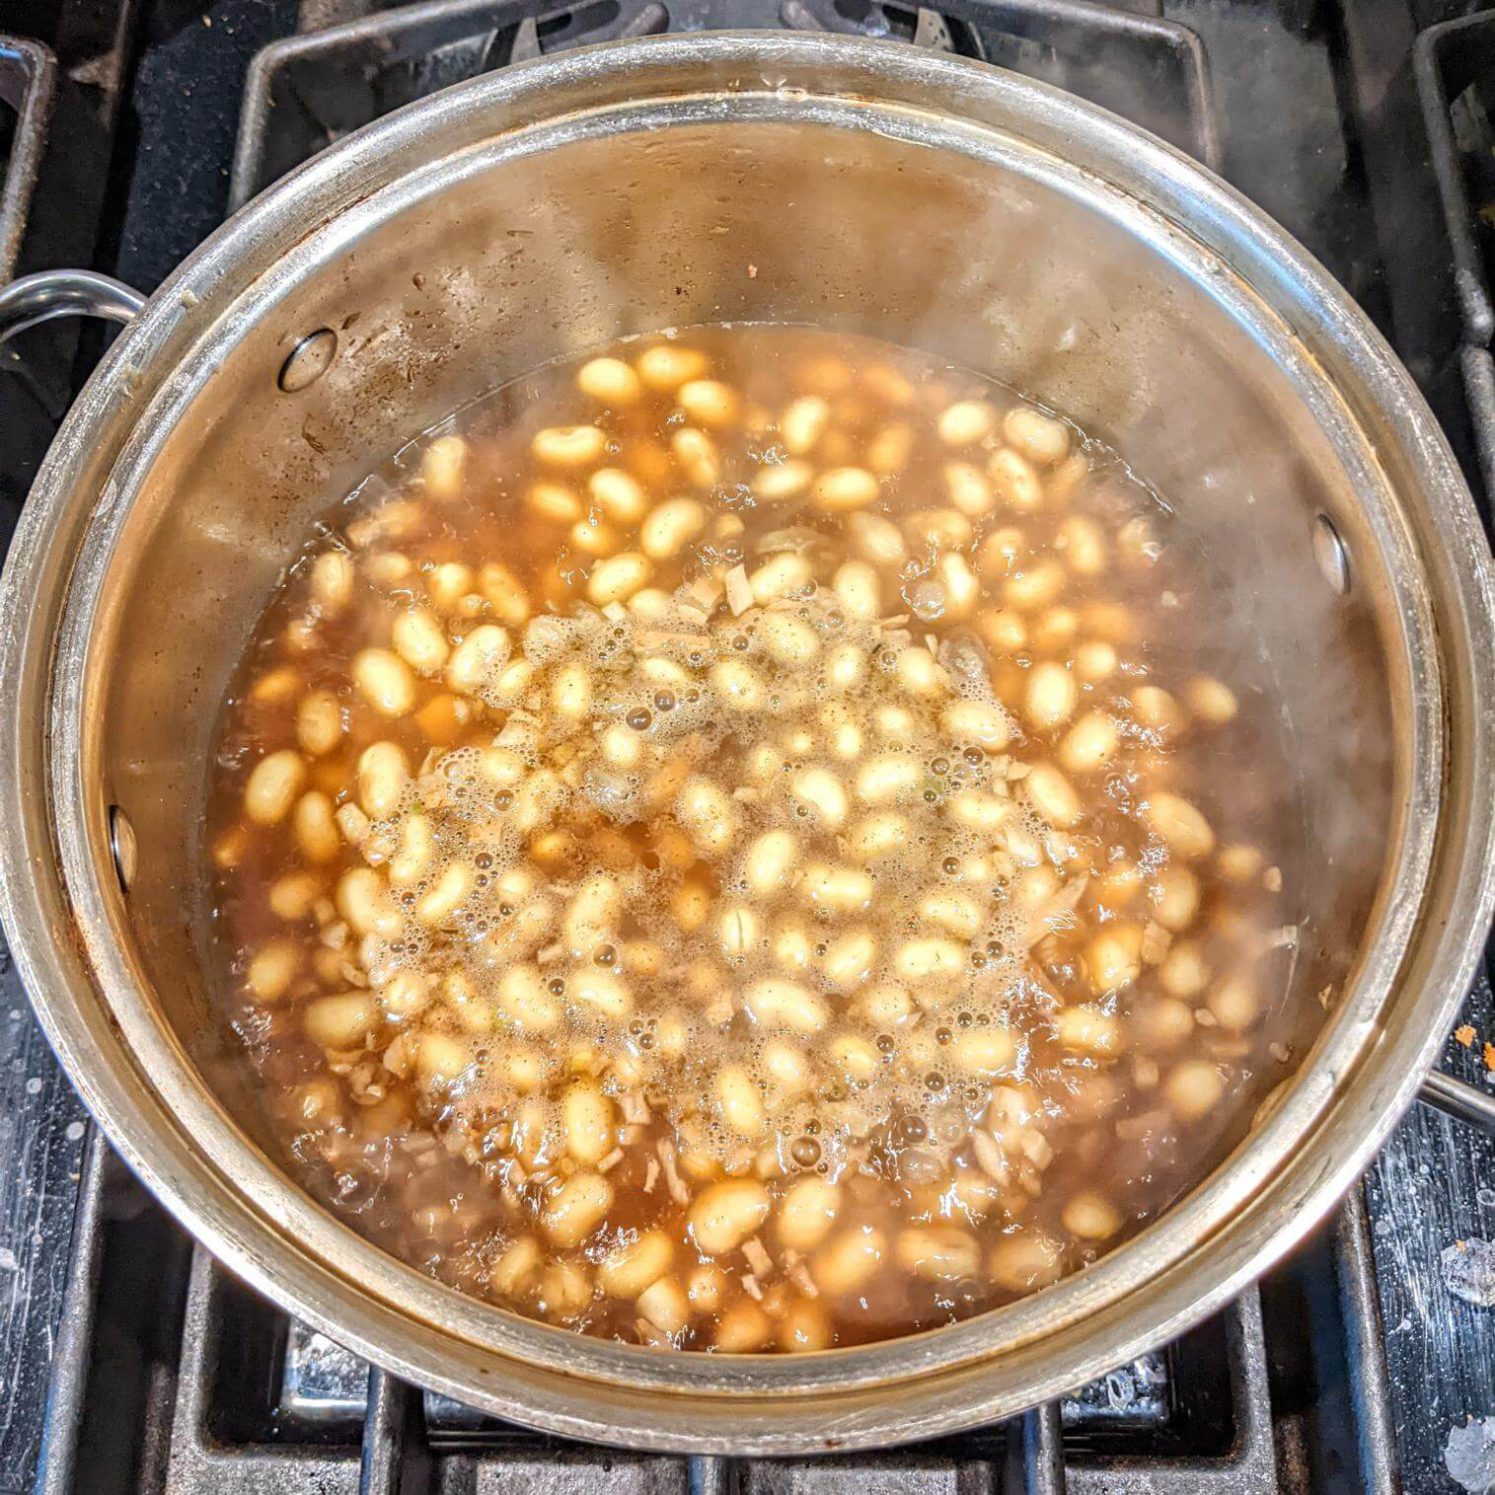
[
  {"x": 1455, "y": 1098},
  {"x": 65, "y": 293}
]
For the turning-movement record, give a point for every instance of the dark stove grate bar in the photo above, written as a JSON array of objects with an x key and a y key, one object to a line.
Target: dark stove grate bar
[{"x": 28, "y": 92}]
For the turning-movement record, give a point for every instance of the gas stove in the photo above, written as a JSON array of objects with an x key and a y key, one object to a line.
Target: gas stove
[{"x": 129, "y": 1361}]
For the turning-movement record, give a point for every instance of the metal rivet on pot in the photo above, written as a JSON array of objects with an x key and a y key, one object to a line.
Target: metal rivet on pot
[
  {"x": 124, "y": 847},
  {"x": 308, "y": 360},
  {"x": 1330, "y": 553}
]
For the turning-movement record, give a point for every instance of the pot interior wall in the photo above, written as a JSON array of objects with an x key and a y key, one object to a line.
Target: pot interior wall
[{"x": 533, "y": 254}]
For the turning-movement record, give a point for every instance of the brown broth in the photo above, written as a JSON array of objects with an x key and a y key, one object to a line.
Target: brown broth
[{"x": 528, "y": 1100}]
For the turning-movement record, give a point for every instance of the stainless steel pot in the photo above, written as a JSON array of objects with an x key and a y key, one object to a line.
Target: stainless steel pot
[{"x": 860, "y": 186}]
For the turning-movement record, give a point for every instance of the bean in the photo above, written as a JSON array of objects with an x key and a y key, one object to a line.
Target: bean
[
  {"x": 739, "y": 1102},
  {"x": 1041, "y": 439},
  {"x": 565, "y": 1290},
  {"x": 384, "y": 680},
  {"x": 848, "y": 960},
  {"x": 887, "y": 778},
  {"x": 787, "y": 574},
  {"x": 577, "y": 1208},
  {"x": 1113, "y": 957},
  {"x": 319, "y": 723},
  {"x": 1014, "y": 480},
  {"x": 1021, "y": 1263},
  {"x": 505, "y": 594},
  {"x": 709, "y": 816},
  {"x": 587, "y": 1117},
  {"x": 803, "y": 423},
  {"x": 332, "y": 581},
  {"x": 666, "y": 367},
  {"x": 1095, "y": 661},
  {"x": 967, "y": 489},
  {"x": 939, "y": 529},
  {"x": 820, "y": 795},
  {"x": 569, "y": 446},
  {"x": 976, "y": 811},
  {"x": 571, "y": 694},
  {"x": 1194, "y": 1088},
  {"x": 603, "y": 991},
  {"x": 932, "y": 960},
  {"x": 777, "y": 482},
  {"x": 1083, "y": 545},
  {"x": 1184, "y": 973},
  {"x": 1034, "y": 587},
  {"x": 983, "y": 1051},
  {"x": 626, "y": 1271},
  {"x": 1051, "y": 697},
  {"x": 272, "y": 787},
  {"x": 697, "y": 456},
  {"x": 1181, "y": 826},
  {"x": 1234, "y": 1002},
  {"x": 383, "y": 778},
  {"x": 787, "y": 1068},
  {"x": 877, "y": 836},
  {"x": 856, "y": 584},
  {"x": 616, "y": 580},
  {"x": 292, "y": 895},
  {"x": 738, "y": 686},
  {"x": 1089, "y": 1030},
  {"x": 917, "y": 671},
  {"x": 315, "y": 827},
  {"x": 772, "y": 1003},
  {"x": 966, "y": 422},
  {"x": 937, "y": 1253},
  {"x": 846, "y": 667},
  {"x": 842, "y": 489},
  {"x": 555, "y": 504},
  {"x": 743, "y": 1327},
  {"x": 272, "y": 970},
  {"x": 979, "y": 723},
  {"x": 726, "y": 1214},
  {"x": 739, "y": 932},
  {"x": 877, "y": 540},
  {"x": 807, "y": 1212},
  {"x": 671, "y": 527},
  {"x": 1211, "y": 700},
  {"x": 591, "y": 916},
  {"x": 788, "y": 640},
  {"x": 848, "y": 1262},
  {"x": 1052, "y": 796},
  {"x": 888, "y": 452},
  {"x": 842, "y": 890},
  {"x": 618, "y": 494},
  {"x": 439, "y": 1061},
  {"x": 609, "y": 380},
  {"x": 442, "y": 466},
  {"x": 805, "y": 1326},
  {"x": 709, "y": 401},
  {"x": 341, "y": 1022},
  {"x": 405, "y": 995},
  {"x": 1090, "y": 744},
  {"x": 955, "y": 912},
  {"x": 516, "y": 1268},
  {"x": 525, "y": 1000},
  {"x": 1090, "y": 1216},
  {"x": 769, "y": 862},
  {"x": 958, "y": 581},
  {"x": 1240, "y": 864},
  {"x": 445, "y": 897}
]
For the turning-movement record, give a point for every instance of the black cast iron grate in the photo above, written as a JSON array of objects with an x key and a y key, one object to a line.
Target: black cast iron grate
[
  {"x": 170, "y": 1376},
  {"x": 307, "y": 91}
]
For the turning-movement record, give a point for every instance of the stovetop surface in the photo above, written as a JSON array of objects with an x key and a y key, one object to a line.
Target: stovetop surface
[{"x": 1370, "y": 1350}]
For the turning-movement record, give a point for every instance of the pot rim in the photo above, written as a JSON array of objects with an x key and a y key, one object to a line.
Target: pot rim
[{"x": 1202, "y": 1250}]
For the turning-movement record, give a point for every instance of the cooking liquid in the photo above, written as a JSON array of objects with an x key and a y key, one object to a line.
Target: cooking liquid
[{"x": 732, "y": 844}]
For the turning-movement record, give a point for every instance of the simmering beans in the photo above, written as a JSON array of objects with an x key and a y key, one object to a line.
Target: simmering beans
[{"x": 746, "y": 846}]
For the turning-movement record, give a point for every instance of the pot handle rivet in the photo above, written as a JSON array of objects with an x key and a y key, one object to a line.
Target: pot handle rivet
[
  {"x": 1331, "y": 553},
  {"x": 308, "y": 361},
  {"x": 124, "y": 847}
]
